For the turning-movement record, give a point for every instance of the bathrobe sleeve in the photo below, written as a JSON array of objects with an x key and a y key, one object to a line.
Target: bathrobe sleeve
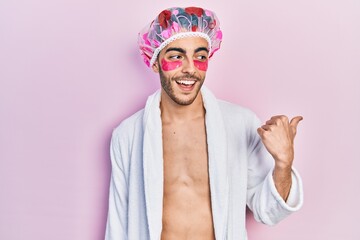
[
  {"x": 262, "y": 197},
  {"x": 116, "y": 227}
]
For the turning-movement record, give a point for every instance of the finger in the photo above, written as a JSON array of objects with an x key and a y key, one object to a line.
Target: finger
[
  {"x": 267, "y": 127},
  {"x": 276, "y": 116},
  {"x": 295, "y": 121},
  {"x": 260, "y": 131},
  {"x": 271, "y": 122},
  {"x": 279, "y": 119}
]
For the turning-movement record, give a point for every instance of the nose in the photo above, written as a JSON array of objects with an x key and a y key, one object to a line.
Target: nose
[{"x": 188, "y": 66}]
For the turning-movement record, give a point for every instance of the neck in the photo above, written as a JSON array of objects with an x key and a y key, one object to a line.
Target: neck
[{"x": 171, "y": 111}]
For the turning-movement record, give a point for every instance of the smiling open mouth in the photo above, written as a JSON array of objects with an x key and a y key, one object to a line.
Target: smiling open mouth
[{"x": 186, "y": 83}]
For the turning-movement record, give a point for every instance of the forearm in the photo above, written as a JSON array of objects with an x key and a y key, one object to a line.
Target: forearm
[{"x": 282, "y": 180}]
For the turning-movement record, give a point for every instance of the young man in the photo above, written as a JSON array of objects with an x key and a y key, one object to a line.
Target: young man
[{"x": 186, "y": 165}]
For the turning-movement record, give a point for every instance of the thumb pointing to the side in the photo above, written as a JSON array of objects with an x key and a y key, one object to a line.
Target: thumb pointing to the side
[{"x": 295, "y": 121}]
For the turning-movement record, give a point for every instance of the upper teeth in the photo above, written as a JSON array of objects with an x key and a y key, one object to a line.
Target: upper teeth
[{"x": 186, "y": 82}]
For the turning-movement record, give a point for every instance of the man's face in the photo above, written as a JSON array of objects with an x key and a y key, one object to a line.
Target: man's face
[{"x": 182, "y": 67}]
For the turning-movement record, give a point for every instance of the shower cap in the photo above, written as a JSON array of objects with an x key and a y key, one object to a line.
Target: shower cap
[{"x": 175, "y": 23}]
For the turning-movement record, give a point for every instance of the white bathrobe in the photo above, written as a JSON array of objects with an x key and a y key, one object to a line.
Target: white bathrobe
[{"x": 240, "y": 173}]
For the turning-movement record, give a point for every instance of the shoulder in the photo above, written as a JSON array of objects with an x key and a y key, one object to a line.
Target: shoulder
[
  {"x": 240, "y": 122},
  {"x": 129, "y": 126}
]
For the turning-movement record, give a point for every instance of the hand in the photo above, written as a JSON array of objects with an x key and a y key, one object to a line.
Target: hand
[{"x": 278, "y": 137}]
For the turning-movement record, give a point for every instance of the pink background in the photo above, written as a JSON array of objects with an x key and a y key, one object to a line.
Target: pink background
[{"x": 70, "y": 72}]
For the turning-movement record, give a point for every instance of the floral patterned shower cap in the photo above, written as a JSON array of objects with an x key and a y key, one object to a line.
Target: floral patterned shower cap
[{"x": 175, "y": 23}]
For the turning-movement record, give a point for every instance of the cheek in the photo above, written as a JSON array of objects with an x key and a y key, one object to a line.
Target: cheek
[
  {"x": 168, "y": 66},
  {"x": 202, "y": 66}
]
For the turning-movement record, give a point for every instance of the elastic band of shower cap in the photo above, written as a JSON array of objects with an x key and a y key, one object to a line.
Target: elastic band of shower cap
[
  {"x": 175, "y": 23},
  {"x": 175, "y": 37}
]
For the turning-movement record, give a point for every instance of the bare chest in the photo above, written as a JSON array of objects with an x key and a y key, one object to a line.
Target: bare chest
[
  {"x": 186, "y": 203},
  {"x": 185, "y": 152}
]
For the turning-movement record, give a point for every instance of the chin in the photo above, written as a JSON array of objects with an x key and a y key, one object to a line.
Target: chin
[{"x": 185, "y": 100}]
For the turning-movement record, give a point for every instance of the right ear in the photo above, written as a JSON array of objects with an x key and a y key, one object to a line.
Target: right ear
[{"x": 155, "y": 66}]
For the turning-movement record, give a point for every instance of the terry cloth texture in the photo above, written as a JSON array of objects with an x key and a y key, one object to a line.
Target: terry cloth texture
[{"x": 240, "y": 173}]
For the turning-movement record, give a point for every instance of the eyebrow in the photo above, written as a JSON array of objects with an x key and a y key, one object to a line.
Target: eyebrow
[
  {"x": 183, "y": 51},
  {"x": 175, "y": 49},
  {"x": 202, "y": 49}
]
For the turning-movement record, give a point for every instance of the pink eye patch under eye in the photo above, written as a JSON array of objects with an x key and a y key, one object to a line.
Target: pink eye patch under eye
[
  {"x": 202, "y": 66},
  {"x": 169, "y": 66}
]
